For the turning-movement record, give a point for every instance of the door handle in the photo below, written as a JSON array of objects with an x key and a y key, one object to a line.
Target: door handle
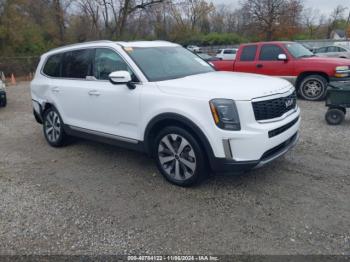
[
  {"x": 55, "y": 89},
  {"x": 259, "y": 65},
  {"x": 94, "y": 93}
]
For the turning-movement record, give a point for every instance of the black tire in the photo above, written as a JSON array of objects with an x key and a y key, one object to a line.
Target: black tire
[
  {"x": 335, "y": 116},
  {"x": 313, "y": 87},
  {"x": 185, "y": 168},
  {"x": 53, "y": 121}
]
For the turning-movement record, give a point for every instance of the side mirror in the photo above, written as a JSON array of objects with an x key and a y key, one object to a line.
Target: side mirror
[
  {"x": 121, "y": 77},
  {"x": 282, "y": 57}
]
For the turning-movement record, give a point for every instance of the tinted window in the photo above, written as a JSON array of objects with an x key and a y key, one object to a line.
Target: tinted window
[
  {"x": 332, "y": 49},
  {"x": 229, "y": 51},
  {"x": 321, "y": 50},
  {"x": 52, "y": 66},
  {"x": 107, "y": 61},
  {"x": 168, "y": 62},
  {"x": 270, "y": 53},
  {"x": 342, "y": 49},
  {"x": 77, "y": 64},
  {"x": 248, "y": 53}
]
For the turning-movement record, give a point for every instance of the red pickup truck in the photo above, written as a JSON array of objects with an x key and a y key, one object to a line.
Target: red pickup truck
[{"x": 291, "y": 61}]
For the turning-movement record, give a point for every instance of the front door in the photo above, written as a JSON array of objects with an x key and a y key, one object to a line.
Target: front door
[
  {"x": 113, "y": 109},
  {"x": 269, "y": 64}
]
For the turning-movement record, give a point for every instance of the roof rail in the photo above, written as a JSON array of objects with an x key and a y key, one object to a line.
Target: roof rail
[{"x": 82, "y": 43}]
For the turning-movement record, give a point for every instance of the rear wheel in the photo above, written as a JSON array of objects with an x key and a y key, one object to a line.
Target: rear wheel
[
  {"x": 335, "y": 116},
  {"x": 53, "y": 128},
  {"x": 313, "y": 87},
  {"x": 179, "y": 157}
]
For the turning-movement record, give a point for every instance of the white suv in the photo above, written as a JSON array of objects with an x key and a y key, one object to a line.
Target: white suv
[
  {"x": 162, "y": 99},
  {"x": 227, "y": 54}
]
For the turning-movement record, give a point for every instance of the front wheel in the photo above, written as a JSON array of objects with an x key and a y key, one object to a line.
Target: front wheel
[
  {"x": 179, "y": 157},
  {"x": 313, "y": 87},
  {"x": 335, "y": 116},
  {"x": 53, "y": 128}
]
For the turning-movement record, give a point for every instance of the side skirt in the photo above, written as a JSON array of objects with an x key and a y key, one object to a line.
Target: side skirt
[{"x": 105, "y": 138}]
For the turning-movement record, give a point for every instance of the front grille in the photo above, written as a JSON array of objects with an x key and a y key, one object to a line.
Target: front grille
[
  {"x": 281, "y": 129},
  {"x": 269, "y": 109}
]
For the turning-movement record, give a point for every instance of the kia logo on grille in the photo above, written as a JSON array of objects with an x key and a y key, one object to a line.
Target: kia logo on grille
[{"x": 289, "y": 102}]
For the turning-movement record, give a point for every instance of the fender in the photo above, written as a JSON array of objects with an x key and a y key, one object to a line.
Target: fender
[{"x": 176, "y": 118}]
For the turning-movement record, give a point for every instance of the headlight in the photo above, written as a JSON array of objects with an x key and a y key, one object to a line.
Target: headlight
[
  {"x": 225, "y": 114},
  {"x": 342, "y": 71}
]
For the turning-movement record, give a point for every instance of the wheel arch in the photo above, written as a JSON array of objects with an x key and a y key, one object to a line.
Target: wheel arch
[
  {"x": 303, "y": 75},
  {"x": 168, "y": 119}
]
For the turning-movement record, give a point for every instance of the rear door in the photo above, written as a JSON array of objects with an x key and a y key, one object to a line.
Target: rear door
[
  {"x": 246, "y": 59},
  {"x": 333, "y": 51},
  {"x": 69, "y": 90},
  {"x": 269, "y": 64},
  {"x": 343, "y": 53}
]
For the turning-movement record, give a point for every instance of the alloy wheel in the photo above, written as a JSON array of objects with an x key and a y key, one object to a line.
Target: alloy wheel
[
  {"x": 177, "y": 157},
  {"x": 52, "y": 126},
  {"x": 312, "y": 88}
]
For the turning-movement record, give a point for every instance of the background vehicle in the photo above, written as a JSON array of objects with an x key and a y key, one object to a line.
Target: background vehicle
[
  {"x": 194, "y": 48},
  {"x": 333, "y": 51},
  {"x": 3, "y": 98},
  {"x": 291, "y": 61},
  {"x": 207, "y": 57},
  {"x": 227, "y": 54},
  {"x": 338, "y": 99},
  {"x": 176, "y": 108}
]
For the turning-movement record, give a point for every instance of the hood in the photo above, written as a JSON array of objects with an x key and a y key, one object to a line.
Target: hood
[
  {"x": 236, "y": 86},
  {"x": 328, "y": 60}
]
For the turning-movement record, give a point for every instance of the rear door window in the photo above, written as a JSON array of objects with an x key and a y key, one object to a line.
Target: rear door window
[
  {"x": 77, "y": 64},
  {"x": 248, "y": 53},
  {"x": 229, "y": 51},
  {"x": 332, "y": 49},
  {"x": 53, "y": 66}
]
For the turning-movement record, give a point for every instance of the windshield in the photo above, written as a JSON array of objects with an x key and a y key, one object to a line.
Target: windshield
[
  {"x": 164, "y": 63},
  {"x": 204, "y": 56},
  {"x": 298, "y": 50}
]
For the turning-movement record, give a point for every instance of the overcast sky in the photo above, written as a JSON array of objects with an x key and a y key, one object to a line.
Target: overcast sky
[{"x": 325, "y": 6}]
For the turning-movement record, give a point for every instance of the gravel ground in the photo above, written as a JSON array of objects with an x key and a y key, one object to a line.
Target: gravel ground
[{"x": 90, "y": 198}]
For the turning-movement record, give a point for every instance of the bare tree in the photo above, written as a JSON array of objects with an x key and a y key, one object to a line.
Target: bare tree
[
  {"x": 336, "y": 15},
  {"x": 266, "y": 14}
]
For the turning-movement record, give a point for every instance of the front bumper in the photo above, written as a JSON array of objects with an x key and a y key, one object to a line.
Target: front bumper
[
  {"x": 339, "y": 79},
  {"x": 37, "y": 111},
  {"x": 228, "y": 165}
]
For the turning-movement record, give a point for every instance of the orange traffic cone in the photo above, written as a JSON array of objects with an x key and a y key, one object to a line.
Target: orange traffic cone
[{"x": 13, "y": 80}]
